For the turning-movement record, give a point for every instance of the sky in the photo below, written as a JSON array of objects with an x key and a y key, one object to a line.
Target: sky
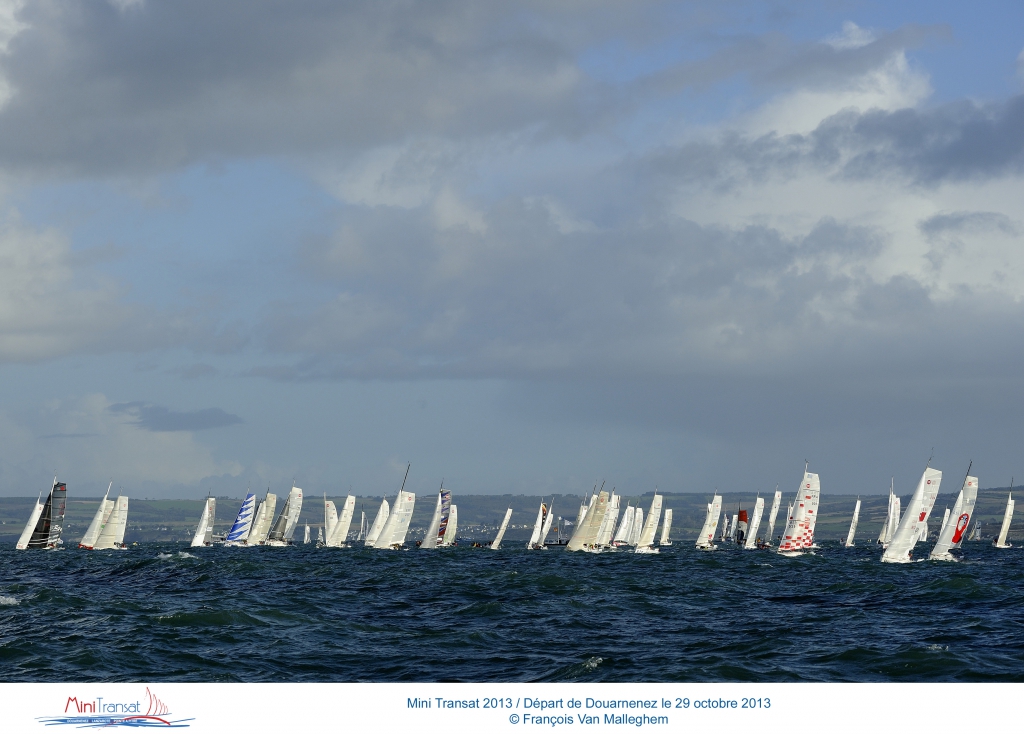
[{"x": 524, "y": 246}]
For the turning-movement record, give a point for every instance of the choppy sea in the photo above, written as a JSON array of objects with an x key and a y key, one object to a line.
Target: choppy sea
[{"x": 166, "y": 612}]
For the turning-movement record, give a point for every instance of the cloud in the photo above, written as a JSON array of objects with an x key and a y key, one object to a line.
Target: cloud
[
  {"x": 159, "y": 418},
  {"x": 95, "y": 443},
  {"x": 48, "y": 307}
]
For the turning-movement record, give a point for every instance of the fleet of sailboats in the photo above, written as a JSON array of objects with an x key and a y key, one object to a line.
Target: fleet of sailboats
[{"x": 599, "y": 527}]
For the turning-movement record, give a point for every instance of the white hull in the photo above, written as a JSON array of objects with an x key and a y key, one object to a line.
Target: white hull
[{"x": 646, "y": 550}]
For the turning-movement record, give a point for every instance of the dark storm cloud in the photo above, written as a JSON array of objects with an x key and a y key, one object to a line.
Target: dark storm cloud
[
  {"x": 159, "y": 418},
  {"x": 526, "y": 298}
]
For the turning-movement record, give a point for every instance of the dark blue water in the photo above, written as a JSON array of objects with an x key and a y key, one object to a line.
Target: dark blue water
[{"x": 155, "y": 612}]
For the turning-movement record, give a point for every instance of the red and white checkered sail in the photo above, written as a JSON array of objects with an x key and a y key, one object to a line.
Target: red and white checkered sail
[{"x": 799, "y": 533}]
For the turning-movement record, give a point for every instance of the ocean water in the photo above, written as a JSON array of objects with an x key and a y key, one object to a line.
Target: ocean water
[{"x": 170, "y": 613}]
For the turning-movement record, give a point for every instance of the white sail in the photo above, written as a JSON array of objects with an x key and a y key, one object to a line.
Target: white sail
[
  {"x": 30, "y": 526},
  {"x": 955, "y": 527},
  {"x": 338, "y": 535},
  {"x": 319, "y": 537},
  {"x": 751, "y": 542},
  {"x": 611, "y": 516},
  {"x": 295, "y": 505},
  {"x": 330, "y": 516},
  {"x": 945, "y": 519},
  {"x": 585, "y": 536},
  {"x": 378, "y": 522},
  {"x": 242, "y": 526},
  {"x": 909, "y": 529},
  {"x": 1005, "y": 527},
  {"x": 645, "y": 543},
  {"x": 776, "y": 503},
  {"x": 205, "y": 526},
  {"x": 894, "y": 521},
  {"x": 538, "y": 526},
  {"x": 264, "y": 516},
  {"x": 112, "y": 533},
  {"x": 706, "y": 538},
  {"x": 725, "y": 527},
  {"x": 547, "y": 524},
  {"x": 102, "y": 512},
  {"x": 884, "y": 534},
  {"x": 451, "y": 531},
  {"x": 799, "y": 533},
  {"x": 397, "y": 526},
  {"x": 305, "y": 537},
  {"x": 734, "y": 527},
  {"x": 638, "y": 526},
  {"x": 666, "y": 528},
  {"x": 362, "y": 526},
  {"x": 430, "y": 537},
  {"x": 853, "y": 525},
  {"x": 496, "y": 544},
  {"x": 583, "y": 512},
  {"x": 625, "y": 531}
]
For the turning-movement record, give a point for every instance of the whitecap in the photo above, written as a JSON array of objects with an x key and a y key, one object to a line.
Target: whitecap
[
  {"x": 8, "y": 601},
  {"x": 592, "y": 663},
  {"x": 183, "y": 554}
]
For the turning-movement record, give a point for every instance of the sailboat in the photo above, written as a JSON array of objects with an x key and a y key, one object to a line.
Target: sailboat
[
  {"x": 239, "y": 531},
  {"x": 585, "y": 536},
  {"x": 705, "y": 541},
  {"x": 378, "y": 523},
  {"x": 920, "y": 506},
  {"x": 392, "y": 535},
  {"x": 853, "y": 525},
  {"x": 264, "y": 516},
  {"x": 204, "y": 531},
  {"x": 362, "y": 527},
  {"x": 46, "y": 523},
  {"x": 776, "y": 502},
  {"x": 439, "y": 522},
  {"x": 666, "y": 528},
  {"x": 535, "y": 542},
  {"x": 625, "y": 531},
  {"x": 305, "y": 536},
  {"x": 284, "y": 527},
  {"x": 319, "y": 537},
  {"x": 337, "y": 535},
  {"x": 955, "y": 527},
  {"x": 547, "y": 526},
  {"x": 892, "y": 517},
  {"x": 974, "y": 532},
  {"x": 751, "y": 542},
  {"x": 638, "y": 526},
  {"x": 102, "y": 513},
  {"x": 1000, "y": 541},
  {"x": 451, "y": 529},
  {"x": 330, "y": 515},
  {"x": 740, "y": 525},
  {"x": 645, "y": 543},
  {"x": 799, "y": 533},
  {"x": 111, "y": 533},
  {"x": 607, "y": 529},
  {"x": 496, "y": 543}
]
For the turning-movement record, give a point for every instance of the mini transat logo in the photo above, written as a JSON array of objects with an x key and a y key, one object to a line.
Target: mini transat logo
[{"x": 85, "y": 713}]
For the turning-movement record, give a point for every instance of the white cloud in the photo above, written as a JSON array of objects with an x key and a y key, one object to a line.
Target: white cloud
[
  {"x": 45, "y": 308},
  {"x": 88, "y": 444},
  {"x": 893, "y": 85}
]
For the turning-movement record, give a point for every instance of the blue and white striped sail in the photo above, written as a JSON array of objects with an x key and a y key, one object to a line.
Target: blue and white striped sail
[{"x": 243, "y": 523}]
